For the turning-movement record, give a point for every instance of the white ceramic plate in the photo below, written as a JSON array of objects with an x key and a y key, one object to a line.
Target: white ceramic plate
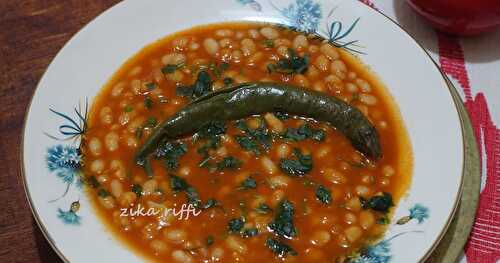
[{"x": 84, "y": 65}]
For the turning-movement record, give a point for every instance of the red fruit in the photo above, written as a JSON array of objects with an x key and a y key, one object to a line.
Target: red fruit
[{"x": 460, "y": 17}]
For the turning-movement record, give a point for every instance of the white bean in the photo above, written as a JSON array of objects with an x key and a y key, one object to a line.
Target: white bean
[
  {"x": 300, "y": 41},
  {"x": 116, "y": 188},
  {"x": 173, "y": 59},
  {"x": 97, "y": 166},
  {"x": 95, "y": 146},
  {"x": 111, "y": 141},
  {"x": 118, "y": 88},
  {"x": 181, "y": 256},
  {"x": 211, "y": 46},
  {"x": 224, "y": 33},
  {"x": 248, "y": 47},
  {"x": 274, "y": 123},
  {"x": 269, "y": 33},
  {"x": 268, "y": 165},
  {"x": 329, "y": 51},
  {"x": 236, "y": 245},
  {"x": 149, "y": 187},
  {"x": 368, "y": 99},
  {"x": 106, "y": 115}
]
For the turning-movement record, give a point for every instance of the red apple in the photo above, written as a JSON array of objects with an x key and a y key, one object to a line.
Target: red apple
[{"x": 460, "y": 17}]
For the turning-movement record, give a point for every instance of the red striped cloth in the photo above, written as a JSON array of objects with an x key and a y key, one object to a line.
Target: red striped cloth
[{"x": 483, "y": 245}]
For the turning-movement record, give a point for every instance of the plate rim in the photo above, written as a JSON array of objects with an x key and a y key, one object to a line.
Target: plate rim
[{"x": 444, "y": 78}]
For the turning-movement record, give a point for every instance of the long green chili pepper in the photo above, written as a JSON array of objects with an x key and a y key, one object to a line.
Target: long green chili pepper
[{"x": 255, "y": 98}]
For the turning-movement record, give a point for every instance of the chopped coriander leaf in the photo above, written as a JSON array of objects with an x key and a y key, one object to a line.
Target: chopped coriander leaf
[
  {"x": 151, "y": 86},
  {"x": 193, "y": 196},
  {"x": 210, "y": 203},
  {"x": 268, "y": 43},
  {"x": 263, "y": 209},
  {"x": 383, "y": 220},
  {"x": 102, "y": 193},
  {"x": 92, "y": 182},
  {"x": 235, "y": 225},
  {"x": 202, "y": 86},
  {"x": 178, "y": 184},
  {"x": 170, "y": 68},
  {"x": 282, "y": 224},
  {"x": 304, "y": 132},
  {"x": 210, "y": 240},
  {"x": 381, "y": 203},
  {"x": 248, "y": 183},
  {"x": 280, "y": 248},
  {"x": 228, "y": 81},
  {"x": 148, "y": 103},
  {"x": 128, "y": 108},
  {"x": 229, "y": 162},
  {"x": 291, "y": 65},
  {"x": 299, "y": 166},
  {"x": 254, "y": 139},
  {"x": 171, "y": 152},
  {"x": 151, "y": 122},
  {"x": 323, "y": 194},
  {"x": 249, "y": 232},
  {"x": 248, "y": 144},
  {"x": 137, "y": 189}
]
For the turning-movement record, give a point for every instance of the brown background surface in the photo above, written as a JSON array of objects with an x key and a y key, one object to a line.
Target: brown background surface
[{"x": 31, "y": 34}]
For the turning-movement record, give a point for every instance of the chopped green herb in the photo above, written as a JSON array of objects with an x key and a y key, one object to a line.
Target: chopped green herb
[
  {"x": 202, "y": 86},
  {"x": 102, "y": 193},
  {"x": 263, "y": 209},
  {"x": 148, "y": 103},
  {"x": 229, "y": 162},
  {"x": 381, "y": 203},
  {"x": 170, "y": 68},
  {"x": 178, "y": 184},
  {"x": 297, "y": 167},
  {"x": 235, "y": 225},
  {"x": 254, "y": 139},
  {"x": 171, "y": 152},
  {"x": 210, "y": 203},
  {"x": 282, "y": 224},
  {"x": 248, "y": 183},
  {"x": 280, "y": 248},
  {"x": 210, "y": 240},
  {"x": 128, "y": 108},
  {"x": 268, "y": 43},
  {"x": 304, "y": 132},
  {"x": 383, "y": 220},
  {"x": 249, "y": 232},
  {"x": 193, "y": 196},
  {"x": 248, "y": 144},
  {"x": 228, "y": 81},
  {"x": 291, "y": 65},
  {"x": 92, "y": 182},
  {"x": 151, "y": 122},
  {"x": 137, "y": 189},
  {"x": 323, "y": 194},
  {"x": 218, "y": 70},
  {"x": 151, "y": 86}
]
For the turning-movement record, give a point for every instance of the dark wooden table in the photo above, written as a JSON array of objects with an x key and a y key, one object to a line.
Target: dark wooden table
[{"x": 31, "y": 34}]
